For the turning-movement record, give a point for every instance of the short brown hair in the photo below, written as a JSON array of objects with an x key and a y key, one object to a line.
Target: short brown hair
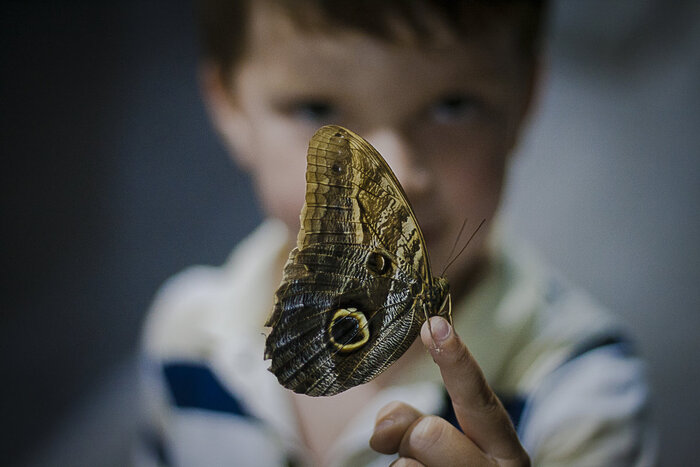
[{"x": 223, "y": 24}]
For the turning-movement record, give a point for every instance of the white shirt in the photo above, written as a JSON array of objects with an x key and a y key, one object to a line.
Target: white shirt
[{"x": 561, "y": 364}]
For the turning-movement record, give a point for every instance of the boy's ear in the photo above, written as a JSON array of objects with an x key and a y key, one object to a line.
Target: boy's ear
[{"x": 225, "y": 113}]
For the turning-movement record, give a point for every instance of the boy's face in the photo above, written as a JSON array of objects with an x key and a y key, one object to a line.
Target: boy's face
[{"x": 444, "y": 117}]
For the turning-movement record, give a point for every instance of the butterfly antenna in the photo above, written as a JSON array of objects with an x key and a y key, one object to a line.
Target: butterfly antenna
[
  {"x": 464, "y": 247},
  {"x": 454, "y": 245}
]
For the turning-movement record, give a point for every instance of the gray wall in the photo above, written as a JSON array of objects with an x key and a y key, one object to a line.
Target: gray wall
[{"x": 114, "y": 181}]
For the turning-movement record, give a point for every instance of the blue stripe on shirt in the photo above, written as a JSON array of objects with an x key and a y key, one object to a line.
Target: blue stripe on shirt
[
  {"x": 195, "y": 386},
  {"x": 619, "y": 341}
]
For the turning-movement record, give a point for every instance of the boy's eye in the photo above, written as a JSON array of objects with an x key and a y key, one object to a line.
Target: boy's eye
[
  {"x": 312, "y": 111},
  {"x": 454, "y": 108}
]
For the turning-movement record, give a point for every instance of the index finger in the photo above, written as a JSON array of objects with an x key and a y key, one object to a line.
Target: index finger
[{"x": 479, "y": 412}]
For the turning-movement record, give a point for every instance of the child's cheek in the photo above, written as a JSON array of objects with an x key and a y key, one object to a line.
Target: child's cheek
[{"x": 283, "y": 197}]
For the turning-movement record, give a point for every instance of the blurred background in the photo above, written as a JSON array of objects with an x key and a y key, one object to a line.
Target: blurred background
[{"x": 113, "y": 180}]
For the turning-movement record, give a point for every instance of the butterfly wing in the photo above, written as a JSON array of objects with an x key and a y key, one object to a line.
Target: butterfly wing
[
  {"x": 345, "y": 309},
  {"x": 348, "y": 177}
]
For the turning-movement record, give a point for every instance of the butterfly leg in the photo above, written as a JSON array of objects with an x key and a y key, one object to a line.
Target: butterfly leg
[
  {"x": 446, "y": 303},
  {"x": 449, "y": 308},
  {"x": 427, "y": 318}
]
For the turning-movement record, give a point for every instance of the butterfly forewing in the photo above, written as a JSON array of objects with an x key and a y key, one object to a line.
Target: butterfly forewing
[
  {"x": 349, "y": 182},
  {"x": 347, "y": 305}
]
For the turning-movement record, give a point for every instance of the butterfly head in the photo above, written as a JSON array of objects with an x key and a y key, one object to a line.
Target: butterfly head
[{"x": 436, "y": 300}]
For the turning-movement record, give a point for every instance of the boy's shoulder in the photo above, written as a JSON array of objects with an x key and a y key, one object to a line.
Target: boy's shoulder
[
  {"x": 563, "y": 313},
  {"x": 566, "y": 361},
  {"x": 526, "y": 319}
]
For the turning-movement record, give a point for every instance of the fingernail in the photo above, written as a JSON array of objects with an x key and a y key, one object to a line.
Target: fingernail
[
  {"x": 441, "y": 329},
  {"x": 383, "y": 425}
]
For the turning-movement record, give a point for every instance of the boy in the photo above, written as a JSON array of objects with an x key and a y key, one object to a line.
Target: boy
[{"x": 441, "y": 89}]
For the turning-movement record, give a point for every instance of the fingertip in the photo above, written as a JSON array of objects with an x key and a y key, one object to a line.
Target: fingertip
[
  {"x": 435, "y": 332},
  {"x": 432, "y": 440},
  {"x": 394, "y": 406},
  {"x": 391, "y": 423},
  {"x": 442, "y": 330},
  {"x": 383, "y": 439}
]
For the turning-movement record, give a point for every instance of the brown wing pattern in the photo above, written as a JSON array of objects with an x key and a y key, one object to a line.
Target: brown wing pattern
[
  {"x": 346, "y": 307},
  {"x": 352, "y": 195}
]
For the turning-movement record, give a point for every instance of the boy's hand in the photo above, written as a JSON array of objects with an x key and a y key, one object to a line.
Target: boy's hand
[{"x": 489, "y": 437}]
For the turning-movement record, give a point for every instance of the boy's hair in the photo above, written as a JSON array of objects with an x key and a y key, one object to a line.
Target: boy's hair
[{"x": 223, "y": 24}]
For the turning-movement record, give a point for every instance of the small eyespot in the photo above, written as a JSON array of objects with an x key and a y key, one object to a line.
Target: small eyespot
[
  {"x": 337, "y": 168},
  {"x": 378, "y": 264},
  {"x": 348, "y": 330},
  {"x": 338, "y": 135}
]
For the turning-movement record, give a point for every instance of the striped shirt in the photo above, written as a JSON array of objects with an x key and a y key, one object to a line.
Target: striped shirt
[{"x": 561, "y": 365}]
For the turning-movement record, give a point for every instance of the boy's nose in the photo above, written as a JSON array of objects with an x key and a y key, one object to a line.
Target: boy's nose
[{"x": 403, "y": 160}]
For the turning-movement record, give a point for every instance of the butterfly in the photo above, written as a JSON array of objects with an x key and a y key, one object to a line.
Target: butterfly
[{"x": 358, "y": 286}]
